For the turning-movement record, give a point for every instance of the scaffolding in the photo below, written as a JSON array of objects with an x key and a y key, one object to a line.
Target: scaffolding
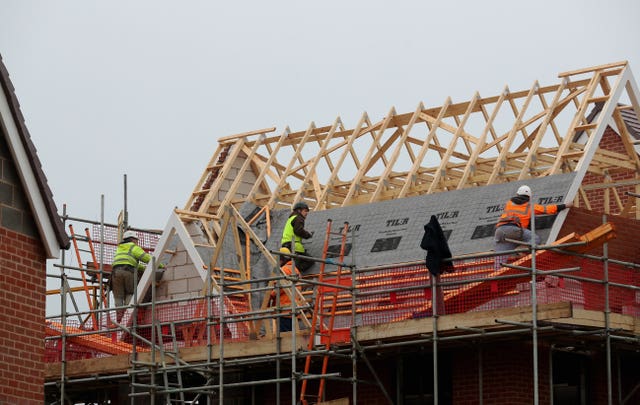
[
  {"x": 210, "y": 348},
  {"x": 195, "y": 360}
]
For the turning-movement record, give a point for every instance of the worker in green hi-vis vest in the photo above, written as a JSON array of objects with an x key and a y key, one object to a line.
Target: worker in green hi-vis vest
[
  {"x": 128, "y": 258},
  {"x": 294, "y": 231}
]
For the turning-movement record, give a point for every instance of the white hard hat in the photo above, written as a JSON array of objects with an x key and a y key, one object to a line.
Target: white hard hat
[
  {"x": 130, "y": 234},
  {"x": 524, "y": 190}
]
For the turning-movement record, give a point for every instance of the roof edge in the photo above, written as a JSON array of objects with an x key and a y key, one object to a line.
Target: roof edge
[{"x": 28, "y": 164}]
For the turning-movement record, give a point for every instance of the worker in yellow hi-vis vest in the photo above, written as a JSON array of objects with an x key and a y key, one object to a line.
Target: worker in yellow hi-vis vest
[
  {"x": 129, "y": 257},
  {"x": 294, "y": 231}
]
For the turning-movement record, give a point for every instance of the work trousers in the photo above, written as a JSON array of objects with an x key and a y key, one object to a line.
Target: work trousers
[
  {"x": 513, "y": 232},
  {"x": 122, "y": 284}
]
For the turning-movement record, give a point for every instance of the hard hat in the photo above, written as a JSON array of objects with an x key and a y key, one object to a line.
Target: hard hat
[
  {"x": 129, "y": 234},
  {"x": 300, "y": 206},
  {"x": 285, "y": 250},
  {"x": 524, "y": 190}
]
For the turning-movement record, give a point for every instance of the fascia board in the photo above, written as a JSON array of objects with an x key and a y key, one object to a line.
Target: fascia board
[
  {"x": 28, "y": 178},
  {"x": 174, "y": 227},
  {"x": 625, "y": 82}
]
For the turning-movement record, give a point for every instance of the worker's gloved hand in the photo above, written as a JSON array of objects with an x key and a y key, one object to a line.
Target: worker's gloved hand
[{"x": 311, "y": 234}]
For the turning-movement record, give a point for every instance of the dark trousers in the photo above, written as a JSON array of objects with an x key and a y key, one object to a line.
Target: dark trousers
[
  {"x": 286, "y": 324},
  {"x": 301, "y": 264}
]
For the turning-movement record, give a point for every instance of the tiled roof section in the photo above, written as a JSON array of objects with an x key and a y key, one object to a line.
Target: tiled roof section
[
  {"x": 34, "y": 161},
  {"x": 389, "y": 232},
  {"x": 633, "y": 124},
  {"x": 628, "y": 115}
]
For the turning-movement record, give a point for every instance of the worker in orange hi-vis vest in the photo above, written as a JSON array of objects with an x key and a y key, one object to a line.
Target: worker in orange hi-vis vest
[
  {"x": 286, "y": 265},
  {"x": 516, "y": 218}
]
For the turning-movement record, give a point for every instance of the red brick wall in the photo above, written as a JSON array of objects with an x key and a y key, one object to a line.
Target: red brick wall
[
  {"x": 22, "y": 313},
  {"x": 507, "y": 374},
  {"x": 610, "y": 141},
  {"x": 368, "y": 393},
  {"x": 623, "y": 247}
]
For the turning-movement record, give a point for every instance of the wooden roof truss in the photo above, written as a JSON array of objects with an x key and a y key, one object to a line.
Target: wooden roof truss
[{"x": 541, "y": 131}]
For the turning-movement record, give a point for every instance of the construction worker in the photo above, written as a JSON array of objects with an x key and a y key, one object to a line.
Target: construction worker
[
  {"x": 129, "y": 257},
  {"x": 286, "y": 265},
  {"x": 516, "y": 218},
  {"x": 294, "y": 231}
]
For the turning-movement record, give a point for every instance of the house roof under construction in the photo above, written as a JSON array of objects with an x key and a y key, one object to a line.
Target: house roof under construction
[
  {"x": 514, "y": 136},
  {"x": 387, "y": 177},
  {"x": 572, "y": 141}
]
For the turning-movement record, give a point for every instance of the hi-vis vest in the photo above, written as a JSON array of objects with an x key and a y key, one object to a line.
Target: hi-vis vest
[
  {"x": 288, "y": 235},
  {"x": 520, "y": 214},
  {"x": 130, "y": 254},
  {"x": 284, "y": 296}
]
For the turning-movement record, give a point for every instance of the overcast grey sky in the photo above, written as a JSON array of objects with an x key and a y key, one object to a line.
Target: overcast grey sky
[{"x": 146, "y": 87}]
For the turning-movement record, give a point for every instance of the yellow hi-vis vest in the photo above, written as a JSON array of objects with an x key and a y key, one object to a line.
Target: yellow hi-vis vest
[
  {"x": 130, "y": 254},
  {"x": 288, "y": 235}
]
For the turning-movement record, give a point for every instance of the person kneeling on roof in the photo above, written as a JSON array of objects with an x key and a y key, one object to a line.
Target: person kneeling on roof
[{"x": 516, "y": 218}]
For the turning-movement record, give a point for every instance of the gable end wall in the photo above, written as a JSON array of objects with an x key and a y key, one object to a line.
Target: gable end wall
[
  {"x": 22, "y": 315},
  {"x": 610, "y": 141},
  {"x": 22, "y": 292}
]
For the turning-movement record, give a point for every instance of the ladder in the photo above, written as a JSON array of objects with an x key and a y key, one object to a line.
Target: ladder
[
  {"x": 94, "y": 302},
  {"x": 171, "y": 378},
  {"x": 324, "y": 311}
]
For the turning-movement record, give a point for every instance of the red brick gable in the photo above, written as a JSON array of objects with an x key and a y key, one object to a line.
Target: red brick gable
[
  {"x": 623, "y": 247},
  {"x": 610, "y": 141},
  {"x": 22, "y": 314}
]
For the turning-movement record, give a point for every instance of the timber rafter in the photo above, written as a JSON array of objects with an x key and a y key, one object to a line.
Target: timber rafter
[{"x": 536, "y": 132}]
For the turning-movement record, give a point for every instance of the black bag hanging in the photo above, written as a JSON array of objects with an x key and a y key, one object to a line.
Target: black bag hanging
[{"x": 435, "y": 243}]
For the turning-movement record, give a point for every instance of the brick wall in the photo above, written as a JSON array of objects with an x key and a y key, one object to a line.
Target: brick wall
[
  {"x": 507, "y": 374},
  {"x": 22, "y": 293},
  {"x": 368, "y": 393},
  {"x": 610, "y": 141},
  {"x": 22, "y": 313},
  {"x": 623, "y": 247}
]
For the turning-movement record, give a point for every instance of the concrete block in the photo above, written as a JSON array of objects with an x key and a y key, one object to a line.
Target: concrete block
[
  {"x": 183, "y": 272},
  {"x": 179, "y": 258},
  {"x": 9, "y": 173},
  {"x": 177, "y": 287},
  {"x": 11, "y": 218},
  {"x": 195, "y": 284},
  {"x": 6, "y": 193},
  {"x": 244, "y": 188}
]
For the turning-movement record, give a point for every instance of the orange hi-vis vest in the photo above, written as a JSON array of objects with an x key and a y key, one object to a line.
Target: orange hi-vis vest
[
  {"x": 520, "y": 214},
  {"x": 285, "y": 301}
]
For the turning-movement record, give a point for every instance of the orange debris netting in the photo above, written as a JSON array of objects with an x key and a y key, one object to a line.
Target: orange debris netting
[
  {"x": 385, "y": 295},
  {"x": 106, "y": 237}
]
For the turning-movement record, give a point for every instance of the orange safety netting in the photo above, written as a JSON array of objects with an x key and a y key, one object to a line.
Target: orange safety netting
[
  {"x": 106, "y": 238},
  {"x": 382, "y": 296}
]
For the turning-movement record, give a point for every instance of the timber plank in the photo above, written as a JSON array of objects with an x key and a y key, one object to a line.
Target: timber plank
[{"x": 480, "y": 319}]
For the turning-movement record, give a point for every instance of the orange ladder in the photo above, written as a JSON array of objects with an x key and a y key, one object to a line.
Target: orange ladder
[
  {"x": 324, "y": 311},
  {"x": 93, "y": 303}
]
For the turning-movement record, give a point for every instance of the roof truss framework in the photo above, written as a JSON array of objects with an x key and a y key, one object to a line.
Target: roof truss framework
[{"x": 540, "y": 131}]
